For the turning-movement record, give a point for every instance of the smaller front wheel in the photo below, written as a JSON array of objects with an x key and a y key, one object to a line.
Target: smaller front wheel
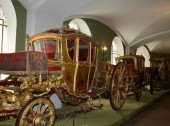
[{"x": 39, "y": 111}]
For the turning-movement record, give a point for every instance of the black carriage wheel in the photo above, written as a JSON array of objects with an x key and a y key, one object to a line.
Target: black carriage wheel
[
  {"x": 39, "y": 111},
  {"x": 138, "y": 92},
  {"x": 118, "y": 86},
  {"x": 152, "y": 87},
  {"x": 138, "y": 87}
]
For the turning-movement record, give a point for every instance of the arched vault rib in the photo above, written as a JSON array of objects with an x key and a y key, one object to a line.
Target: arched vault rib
[{"x": 150, "y": 38}]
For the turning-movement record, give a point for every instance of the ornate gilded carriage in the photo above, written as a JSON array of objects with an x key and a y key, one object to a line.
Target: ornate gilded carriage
[
  {"x": 74, "y": 56},
  {"x": 60, "y": 61}
]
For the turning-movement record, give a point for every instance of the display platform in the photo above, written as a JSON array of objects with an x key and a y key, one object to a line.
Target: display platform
[{"x": 106, "y": 116}]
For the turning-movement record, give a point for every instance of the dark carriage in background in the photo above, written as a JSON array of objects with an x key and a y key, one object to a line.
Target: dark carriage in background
[
  {"x": 127, "y": 76},
  {"x": 130, "y": 75},
  {"x": 62, "y": 62},
  {"x": 160, "y": 74}
]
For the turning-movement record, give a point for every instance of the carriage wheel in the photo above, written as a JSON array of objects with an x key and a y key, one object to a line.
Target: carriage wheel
[
  {"x": 138, "y": 87},
  {"x": 138, "y": 92},
  {"x": 39, "y": 111},
  {"x": 118, "y": 86},
  {"x": 152, "y": 88}
]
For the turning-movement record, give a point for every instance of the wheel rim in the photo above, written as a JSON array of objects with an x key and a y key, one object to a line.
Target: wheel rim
[
  {"x": 40, "y": 112},
  {"x": 118, "y": 87}
]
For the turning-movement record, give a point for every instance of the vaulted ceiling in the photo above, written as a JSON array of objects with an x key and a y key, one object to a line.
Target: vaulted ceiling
[{"x": 138, "y": 22}]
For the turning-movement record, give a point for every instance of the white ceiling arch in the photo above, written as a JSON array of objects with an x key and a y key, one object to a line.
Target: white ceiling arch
[{"x": 132, "y": 19}]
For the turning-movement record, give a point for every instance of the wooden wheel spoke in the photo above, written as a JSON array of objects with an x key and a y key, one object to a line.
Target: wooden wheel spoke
[
  {"x": 31, "y": 113},
  {"x": 43, "y": 109},
  {"x": 116, "y": 80},
  {"x": 47, "y": 115},
  {"x": 123, "y": 95},
  {"x": 117, "y": 96},
  {"x": 48, "y": 118},
  {"x": 122, "y": 71},
  {"x": 124, "y": 87},
  {"x": 123, "y": 74},
  {"x": 117, "y": 100},
  {"x": 39, "y": 108},
  {"x": 113, "y": 89},
  {"x": 27, "y": 120},
  {"x": 114, "y": 92}
]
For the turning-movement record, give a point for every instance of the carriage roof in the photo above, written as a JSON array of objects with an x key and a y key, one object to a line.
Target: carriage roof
[
  {"x": 61, "y": 33},
  {"x": 136, "y": 60},
  {"x": 131, "y": 57}
]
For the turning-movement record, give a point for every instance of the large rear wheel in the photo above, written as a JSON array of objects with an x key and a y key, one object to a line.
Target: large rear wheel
[
  {"x": 118, "y": 86},
  {"x": 39, "y": 111}
]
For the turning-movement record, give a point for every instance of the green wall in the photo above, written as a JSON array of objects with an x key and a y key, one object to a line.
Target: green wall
[
  {"x": 102, "y": 34},
  {"x": 21, "y": 14}
]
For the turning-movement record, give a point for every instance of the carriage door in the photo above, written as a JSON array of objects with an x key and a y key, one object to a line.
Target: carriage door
[
  {"x": 69, "y": 52},
  {"x": 83, "y": 65}
]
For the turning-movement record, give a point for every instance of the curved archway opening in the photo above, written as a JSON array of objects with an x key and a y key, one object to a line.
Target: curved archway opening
[
  {"x": 80, "y": 24},
  {"x": 145, "y": 53},
  {"x": 11, "y": 22},
  {"x": 117, "y": 49}
]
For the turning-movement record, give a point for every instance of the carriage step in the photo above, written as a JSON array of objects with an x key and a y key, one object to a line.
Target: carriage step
[
  {"x": 87, "y": 107},
  {"x": 95, "y": 94}
]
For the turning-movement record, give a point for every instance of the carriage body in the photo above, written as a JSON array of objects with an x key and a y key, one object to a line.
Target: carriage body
[
  {"x": 157, "y": 74},
  {"x": 70, "y": 53},
  {"x": 127, "y": 77}
]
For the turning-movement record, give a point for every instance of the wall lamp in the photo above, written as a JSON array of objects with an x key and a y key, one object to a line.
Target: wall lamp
[{"x": 104, "y": 50}]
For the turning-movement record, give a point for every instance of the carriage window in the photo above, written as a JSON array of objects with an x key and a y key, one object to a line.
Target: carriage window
[
  {"x": 71, "y": 47},
  {"x": 49, "y": 46},
  {"x": 38, "y": 46},
  {"x": 83, "y": 50}
]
